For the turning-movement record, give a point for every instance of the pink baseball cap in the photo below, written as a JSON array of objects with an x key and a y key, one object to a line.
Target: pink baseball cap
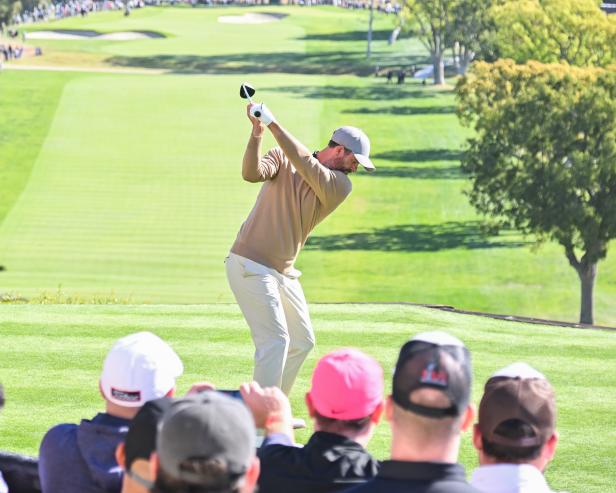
[{"x": 346, "y": 384}]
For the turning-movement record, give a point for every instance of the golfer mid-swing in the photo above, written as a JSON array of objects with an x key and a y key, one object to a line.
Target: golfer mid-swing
[{"x": 300, "y": 189}]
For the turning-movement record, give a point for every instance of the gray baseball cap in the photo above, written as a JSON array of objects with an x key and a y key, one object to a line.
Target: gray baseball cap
[
  {"x": 357, "y": 142},
  {"x": 213, "y": 429}
]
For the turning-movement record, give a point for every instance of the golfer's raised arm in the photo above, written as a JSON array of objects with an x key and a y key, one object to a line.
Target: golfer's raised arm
[
  {"x": 254, "y": 168},
  {"x": 321, "y": 179}
]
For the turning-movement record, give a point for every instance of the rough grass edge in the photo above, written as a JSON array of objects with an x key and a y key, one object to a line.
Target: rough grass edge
[{"x": 59, "y": 297}]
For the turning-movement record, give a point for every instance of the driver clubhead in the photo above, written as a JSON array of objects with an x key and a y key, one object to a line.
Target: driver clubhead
[{"x": 247, "y": 91}]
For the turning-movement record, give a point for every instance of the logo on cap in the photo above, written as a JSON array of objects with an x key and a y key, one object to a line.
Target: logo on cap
[
  {"x": 431, "y": 375},
  {"x": 125, "y": 395}
]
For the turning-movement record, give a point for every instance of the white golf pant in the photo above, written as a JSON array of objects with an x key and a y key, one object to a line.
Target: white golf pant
[{"x": 275, "y": 309}]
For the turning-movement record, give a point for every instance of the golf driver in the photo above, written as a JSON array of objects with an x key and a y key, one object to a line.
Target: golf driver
[{"x": 246, "y": 91}]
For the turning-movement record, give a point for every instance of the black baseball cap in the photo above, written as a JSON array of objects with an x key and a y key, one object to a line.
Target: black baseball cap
[
  {"x": 140, "y": 440},
  {"x": 434, "y": 360}
]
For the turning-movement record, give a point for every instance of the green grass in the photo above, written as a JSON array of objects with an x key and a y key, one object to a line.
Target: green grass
[
  {"x": 317, "y": 40},
  {"x": 27, "y": 106},
  {"x": 130, "y": 188},
  {"x": 52, "y": 355}
]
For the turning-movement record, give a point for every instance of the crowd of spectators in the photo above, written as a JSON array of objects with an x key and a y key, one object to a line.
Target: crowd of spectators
[
  {"x": 146, "y": 440},
  {"x": 45, "y": 12}
]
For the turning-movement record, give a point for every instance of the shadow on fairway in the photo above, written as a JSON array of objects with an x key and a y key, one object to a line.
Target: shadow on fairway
[
  {"x": 420, "y": 155},
  {"x": 404, "y": 110},
  {"x": 377, "y": 35},
  {"x": 415, "y": 238},
  {"x": 329, "y": 63},
  {"x": 423, "y": 173},
  {"x": 373, "y": 92}
]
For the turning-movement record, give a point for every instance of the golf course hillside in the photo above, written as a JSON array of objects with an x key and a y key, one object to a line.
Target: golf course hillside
[
  {"x": 121, "y": 166},
  {"x": 52, "y": 357}
]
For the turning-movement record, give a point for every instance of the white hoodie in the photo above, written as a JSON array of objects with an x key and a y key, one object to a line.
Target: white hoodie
[{"x": 509, "y": 478}]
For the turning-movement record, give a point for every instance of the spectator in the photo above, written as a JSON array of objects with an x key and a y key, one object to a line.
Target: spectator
[
  {"x": 205, "y": 443},
  {"x": 427, "y": 411},
  {"x": 81, "y": 458},
  {"x": 3, "y": 486},
  {"x": 345, "y": 402},
  {"x": 133, "y": 455},
  {"x": 516, "y": 434}
]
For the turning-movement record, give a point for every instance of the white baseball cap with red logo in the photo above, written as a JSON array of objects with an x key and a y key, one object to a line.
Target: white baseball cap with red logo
[{"x": 139, "y": 368}]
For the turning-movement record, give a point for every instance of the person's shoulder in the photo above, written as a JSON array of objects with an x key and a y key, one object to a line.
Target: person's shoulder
[
  {"x": 455, "y": 487},
  {"x": 278, "y": 451},
  {"x": 60, "y": 432},
  {"x": 344, "y": 185},
  {"x": 58, "y": 441}
]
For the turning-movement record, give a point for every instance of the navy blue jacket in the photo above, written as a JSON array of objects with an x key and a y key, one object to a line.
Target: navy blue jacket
[{"x": 81, "y": 458}]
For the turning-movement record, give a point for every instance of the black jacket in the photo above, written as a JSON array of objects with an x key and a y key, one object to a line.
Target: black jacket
[
  {"x": 417, "y": 477},
  {"x": 328, "y": 462}
]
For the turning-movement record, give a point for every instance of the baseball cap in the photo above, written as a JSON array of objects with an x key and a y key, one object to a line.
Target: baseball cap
[
  {"x": 357, "y": 142},
  {"x": 212, "y": 428},
  {"x": 346, "y": 384},
  {"x": 519, "y": 392},
  {"x": 138, "y": 368},
  {"x": 140, "y": 440},
  {"x": 435, "y": 360}
]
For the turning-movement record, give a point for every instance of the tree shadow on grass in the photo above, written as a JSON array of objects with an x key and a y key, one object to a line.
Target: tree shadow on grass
[
  {"x": 415, "y": 238},
  {"x": 377, "y": 35},
  {"x": 404, "y": 110},
  {"x": 423, "y": 173},
  {"x": 370, "y": 93},
  {"x": 420, "y": 155},
  {"x": 331, "y": 63}
]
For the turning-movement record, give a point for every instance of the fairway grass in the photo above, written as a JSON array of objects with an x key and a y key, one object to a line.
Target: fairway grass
[
  {"x": 51, "y": 357},
  {"x": 128, "y": 187}
]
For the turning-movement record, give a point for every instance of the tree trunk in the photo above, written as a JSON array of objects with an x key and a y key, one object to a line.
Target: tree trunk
[
  {"x": 455, "y": 51},
  {"x": 466, "y": 59},
  {"x": 369, "y": 47},
  {"x": 439, "y": 68},
  {"x": 587, "y": 274}
]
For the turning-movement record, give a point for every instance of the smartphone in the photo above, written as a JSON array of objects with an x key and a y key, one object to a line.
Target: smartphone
[{"x": 231, "y": 393}]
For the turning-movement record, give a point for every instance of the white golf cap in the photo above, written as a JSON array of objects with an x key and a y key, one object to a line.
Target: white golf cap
[
  {"x": 357, "y": 142},
  {"x": 139, "y": 368}
]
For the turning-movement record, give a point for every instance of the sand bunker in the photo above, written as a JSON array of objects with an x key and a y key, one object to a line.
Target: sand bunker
[
  {"x": 250, "y": 18},
  {"x": 118, "y": 36}
]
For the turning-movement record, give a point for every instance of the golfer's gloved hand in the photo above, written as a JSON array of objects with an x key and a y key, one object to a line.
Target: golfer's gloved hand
[{"x": 262, "y": 113}]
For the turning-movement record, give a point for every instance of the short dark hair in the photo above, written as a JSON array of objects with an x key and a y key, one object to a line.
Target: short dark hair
[
  {"x": 348, "y": 424},
  {"x": 512, "y": 429},
  {"x": 164, "y": 483},
  {"x": 331, "y": 143}
]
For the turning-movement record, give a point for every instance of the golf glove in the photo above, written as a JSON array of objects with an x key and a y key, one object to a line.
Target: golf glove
[{"x": 262, "y": 113}]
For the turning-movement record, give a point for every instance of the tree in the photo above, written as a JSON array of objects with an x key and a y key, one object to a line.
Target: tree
[
  {"x": 430, "y": 21},
  {"x": 543, "y": 159},
  {"x": 574, "y": 31},
  {"x": 473, "y": 31},
  {"x": 6, "y": 11}
]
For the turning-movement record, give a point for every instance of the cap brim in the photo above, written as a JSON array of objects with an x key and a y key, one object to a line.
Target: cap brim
[{"x": 365, "y": 162}]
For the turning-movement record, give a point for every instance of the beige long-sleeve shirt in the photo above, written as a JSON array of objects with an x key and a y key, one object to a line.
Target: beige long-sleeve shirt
[{"x": 292, "y": 201}]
